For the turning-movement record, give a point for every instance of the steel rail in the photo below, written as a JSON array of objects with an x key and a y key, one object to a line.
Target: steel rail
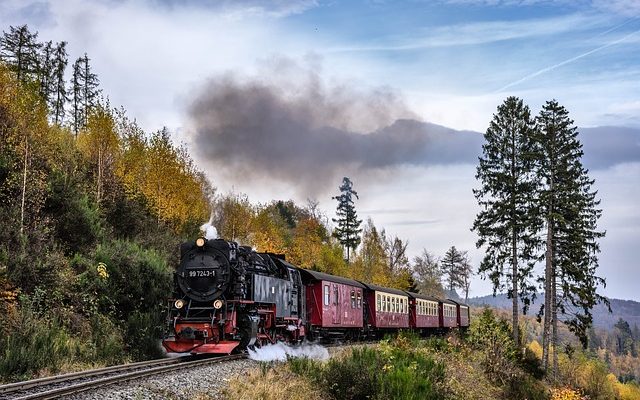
[
  {"x": 55, "y": 379},
  {"x": 121, "y": 373}
]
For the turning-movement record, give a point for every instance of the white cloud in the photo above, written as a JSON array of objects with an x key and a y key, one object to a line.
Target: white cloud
[{"x": 479, "y": 33}]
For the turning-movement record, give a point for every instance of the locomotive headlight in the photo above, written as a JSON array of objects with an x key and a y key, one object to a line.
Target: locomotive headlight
[
  {"x": 179, "y": 304},
  {"x": 217, "y": 304},
  {"x": 200, "y": 241}
]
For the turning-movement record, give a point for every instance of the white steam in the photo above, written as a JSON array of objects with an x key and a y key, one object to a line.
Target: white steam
[
  {"x": 281, "y": 351},
  {"x": 210, "y": 231}
]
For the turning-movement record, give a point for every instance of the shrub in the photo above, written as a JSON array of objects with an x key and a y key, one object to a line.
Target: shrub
[
  {"x": 33, "y": 343},
  {"x": 393, "y": 371},
  {"x": 492, "y": 337}
]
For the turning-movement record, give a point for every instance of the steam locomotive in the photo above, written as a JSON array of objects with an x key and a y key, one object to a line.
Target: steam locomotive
[{"x": 229, "y": 298}]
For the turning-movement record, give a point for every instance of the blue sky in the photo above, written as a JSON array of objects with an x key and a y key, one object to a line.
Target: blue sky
[{"x": 445, "y": 62}]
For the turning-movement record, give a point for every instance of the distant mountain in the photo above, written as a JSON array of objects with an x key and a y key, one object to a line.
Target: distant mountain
[
  {"x": 628, "y": 310},
  {"x": 604, "y": 146}
]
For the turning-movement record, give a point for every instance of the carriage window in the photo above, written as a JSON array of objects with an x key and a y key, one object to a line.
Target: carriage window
[
  {"x": 378, "y": 303},
  {"x": 386, "y": 303},
  {"x": 359, "y": 298},
  {"x": 335, "y": 292},
  {"x": 395, "y": 305},
  {"x": 326, "y": 295},
  {"x": 353, "y": 299}
]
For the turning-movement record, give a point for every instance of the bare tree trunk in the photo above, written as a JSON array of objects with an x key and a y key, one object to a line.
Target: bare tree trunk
[
  {"x": 514, "y": 291},
  {"x": 554, "y": 320},
  {"x": 549, "y": 284},
  {"x": 98, "y": 188},
  {"x": 24, "y": 183}
]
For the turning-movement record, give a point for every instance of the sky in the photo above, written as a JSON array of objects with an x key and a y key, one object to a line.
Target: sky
[{"x": 280, "y": 99}]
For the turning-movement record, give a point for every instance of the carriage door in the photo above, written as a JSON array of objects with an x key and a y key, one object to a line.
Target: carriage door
[{"x": 336, "y": 302}]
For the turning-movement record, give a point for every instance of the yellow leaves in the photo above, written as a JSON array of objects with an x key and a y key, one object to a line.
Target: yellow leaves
[
  {"x": 164, "y": 175},
  {"x": 306, "y": 247},
  {"x": 566, "y": 394},
  {"x": 101, "y": 269},
  {"x": 536, "y": 348}
]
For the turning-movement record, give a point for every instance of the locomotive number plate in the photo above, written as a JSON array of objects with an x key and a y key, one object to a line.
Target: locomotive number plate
[{"x": 199, "y": 273}]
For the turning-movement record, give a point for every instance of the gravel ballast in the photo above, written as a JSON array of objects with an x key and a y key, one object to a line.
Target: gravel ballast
[{"x": 181, "y": 384}]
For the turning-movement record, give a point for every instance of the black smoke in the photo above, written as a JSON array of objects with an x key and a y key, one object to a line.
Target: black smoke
[{"x": 289, "y": 125}]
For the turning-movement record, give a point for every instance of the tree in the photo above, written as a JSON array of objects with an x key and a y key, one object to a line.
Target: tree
[
  {"x": 427, "y": 273},
  {"x": 19, "y": 49},
  {"x": 507, "y": 223},
  {"x": 58, "y": 89},
  {"x": 466, "y": 272},
  {"x": 571, "y": 214},
  {"x": 45, "y": 70},
  {"x": 371, "y": 265},
  {"x": 348, "y": 229},
  {"x": 84, "y": 92},
  {"x": 100, "y": 142},
  {"x": 452, "y": 267}
]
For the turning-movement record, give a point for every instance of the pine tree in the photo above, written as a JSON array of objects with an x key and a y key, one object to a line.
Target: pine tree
[
  {"x": 348, "y": 229},
  {"x": 508, "y": 222},
  {"x": 19, "y": 49},
  {"x": 46, "y": 71},
  {"x": 571, "y": 214},
  {"x": 452, "y": 267},
  {"x": 84, "y": 92},
  {"x": 58, "y": 89}
]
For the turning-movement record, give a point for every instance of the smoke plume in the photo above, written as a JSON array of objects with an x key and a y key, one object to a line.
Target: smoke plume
[
  {"x": 281, "y": 351},
  {"x": 289, "y": 124}
]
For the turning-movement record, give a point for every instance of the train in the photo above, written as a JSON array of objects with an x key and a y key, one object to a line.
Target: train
[{"x": 229, "y": 298}]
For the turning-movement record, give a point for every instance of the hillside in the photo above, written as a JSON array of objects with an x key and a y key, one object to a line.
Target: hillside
[{"x": 628, "y": 310}]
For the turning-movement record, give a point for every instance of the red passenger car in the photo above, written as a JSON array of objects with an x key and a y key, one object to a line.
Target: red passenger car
[
  {"x": 387, "y": 308},
  {"x": 423, "y": 311},
  {"x": 463, "y": 314},
  {"x": 448, "y": 314},
  {"x": 334, "y": 304}
]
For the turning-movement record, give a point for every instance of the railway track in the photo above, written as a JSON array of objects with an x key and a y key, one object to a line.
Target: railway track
[{"x": 64, "y": 385}]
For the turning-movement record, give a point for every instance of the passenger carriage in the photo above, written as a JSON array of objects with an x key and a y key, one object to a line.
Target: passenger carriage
[
  {"x": 423, "y": 312},
  {"x": 334, "y": 304},
  {"x": 448, "y": 311},
  {"x": 386, "y": 308},
  {"x": 463, "y": 317}
]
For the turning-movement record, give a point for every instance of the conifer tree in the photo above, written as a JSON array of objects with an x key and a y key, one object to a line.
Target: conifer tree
[
  {"x": 571, "y": 213},
  {"x": 59, "y": 95},
  {"x": 84, "y": 92},
  {"x": 45, "y": 71},
  {"x": 508, "y": 221},
  {"x": 452, "y": 267},
  {"x": 348, "y": 229},
  {"x": 19, "y": 49}
]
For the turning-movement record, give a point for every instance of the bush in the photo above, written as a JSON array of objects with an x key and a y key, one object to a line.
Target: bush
[
  {"x": 393, "y": 371},
  {"x": 492, "y": 336},
  {"x": 137, "y": 279},
  {"x": 33, "y": 343}
]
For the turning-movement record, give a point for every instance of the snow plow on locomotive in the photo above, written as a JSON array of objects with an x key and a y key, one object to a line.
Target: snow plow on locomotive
[{"x": 229, "y": 298}]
